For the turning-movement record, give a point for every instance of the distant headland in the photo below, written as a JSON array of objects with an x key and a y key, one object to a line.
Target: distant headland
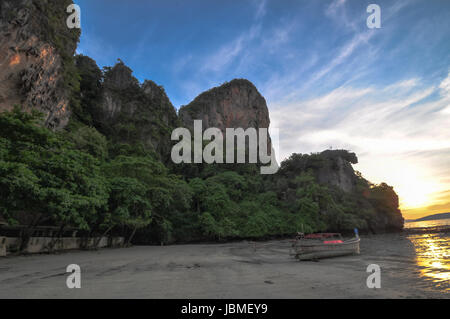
[{"x": 431, "y": 217}]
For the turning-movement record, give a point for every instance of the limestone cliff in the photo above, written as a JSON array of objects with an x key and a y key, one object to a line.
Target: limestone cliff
[
  {"x": 236, "y": 104},
  {"x": 338, "y": 170},
  {"x": 35, "y": 51},
  {"x": 131, "y": 112}
]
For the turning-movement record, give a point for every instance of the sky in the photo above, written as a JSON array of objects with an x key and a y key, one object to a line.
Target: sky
[{"x": 329, "y": 80}]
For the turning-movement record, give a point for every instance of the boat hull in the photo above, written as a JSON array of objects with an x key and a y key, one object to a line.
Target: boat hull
[{"x": 307, "y": 251}]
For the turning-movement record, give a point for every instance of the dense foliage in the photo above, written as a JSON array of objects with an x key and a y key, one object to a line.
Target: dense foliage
[
  {"x": 77, "y": 178},
  {"x": 68, "y": 179}
]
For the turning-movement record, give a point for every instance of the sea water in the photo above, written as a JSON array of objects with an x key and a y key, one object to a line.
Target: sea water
[{"x": 433, "y": 251}]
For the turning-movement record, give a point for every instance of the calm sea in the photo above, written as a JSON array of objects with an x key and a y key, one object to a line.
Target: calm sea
[
  {"x": 433, "y": 251},
  {"x": 428, "y": 224}
]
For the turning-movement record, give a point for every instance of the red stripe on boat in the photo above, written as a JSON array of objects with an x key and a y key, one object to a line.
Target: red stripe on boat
[{"x": 333, "y": 242}]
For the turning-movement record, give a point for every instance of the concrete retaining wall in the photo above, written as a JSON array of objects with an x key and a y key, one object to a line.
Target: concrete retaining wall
[
  {"x": 2, "y": 246},
  {"x": 47, "y": 244}
]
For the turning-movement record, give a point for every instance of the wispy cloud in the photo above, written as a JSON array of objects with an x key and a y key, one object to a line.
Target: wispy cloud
[
  {"x": 224, "y": 56},
  {"x": 343, "y": 54},
  {"x": 384, "y": 125},
  {"x": 260, "y": 9},
  {"x": 337, "y": 12},
  {"x": 246, "y": 51},
  {"x": 445, "y": 86}
]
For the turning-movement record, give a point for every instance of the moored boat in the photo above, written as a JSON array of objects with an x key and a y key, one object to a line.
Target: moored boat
[{"x": 324, "y": 245}]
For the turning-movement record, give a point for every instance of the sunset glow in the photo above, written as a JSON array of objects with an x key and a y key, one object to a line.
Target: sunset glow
[
  {"x": 415, "y": 186},
  {"x": 432, "y": 257}
]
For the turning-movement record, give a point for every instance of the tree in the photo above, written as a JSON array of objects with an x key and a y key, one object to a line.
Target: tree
[{"x": 44, "y": 179}]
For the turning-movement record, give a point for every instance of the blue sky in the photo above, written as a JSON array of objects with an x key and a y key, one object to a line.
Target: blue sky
[{"x": 328, "y": 79}]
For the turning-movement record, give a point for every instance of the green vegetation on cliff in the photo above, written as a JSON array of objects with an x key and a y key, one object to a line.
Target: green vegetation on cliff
[
  {"x": 78, "y": 178},
  {"x": 67, "y": 179},
  {"x": 51, "y": 16}
]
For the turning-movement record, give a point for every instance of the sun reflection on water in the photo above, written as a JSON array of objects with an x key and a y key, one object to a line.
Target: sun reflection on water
[{"x": 433, "y": 257}]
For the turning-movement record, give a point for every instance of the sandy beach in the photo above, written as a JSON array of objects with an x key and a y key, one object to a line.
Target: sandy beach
[{"x": 232, "y": 270}]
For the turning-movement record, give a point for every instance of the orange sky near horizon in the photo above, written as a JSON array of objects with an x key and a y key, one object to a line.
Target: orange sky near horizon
[
  {"x": 421, "y": 189},
  {"x": 440, "y": 205}
]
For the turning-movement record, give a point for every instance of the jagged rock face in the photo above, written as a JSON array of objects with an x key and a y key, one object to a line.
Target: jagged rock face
[
  {"x": 236, "y": 104},
  {"x": 135, "y": 113},
  {"x": 339, "y": 172},
  {"x": 383, "y": 223},
  {"x": 159, "y": 100},
  {"x": 119, "y": 80},
  {"x": 31, "y": 66}
]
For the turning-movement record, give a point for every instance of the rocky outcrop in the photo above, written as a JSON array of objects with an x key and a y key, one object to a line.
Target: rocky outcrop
[
  {"x": 330, "y": 168},
  {"x": 338, "y": 171},
  {"x": 131, "y": 112},
  {"x": 34, "y": 45},
  {"x": 346, "y": 199},
  {"x": 236, "y": 104}
]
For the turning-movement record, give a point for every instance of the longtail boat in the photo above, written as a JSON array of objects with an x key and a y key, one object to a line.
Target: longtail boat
[{"x": 324, "y": 245}]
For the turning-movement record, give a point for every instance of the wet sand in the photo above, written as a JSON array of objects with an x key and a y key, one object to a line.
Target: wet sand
[{"x": 233, "y": 270}]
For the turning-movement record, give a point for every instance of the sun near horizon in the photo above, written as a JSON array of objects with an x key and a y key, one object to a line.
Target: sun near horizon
[
  {"x": 420, "y": 197},
  {"x": 420, "y": 189}
]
